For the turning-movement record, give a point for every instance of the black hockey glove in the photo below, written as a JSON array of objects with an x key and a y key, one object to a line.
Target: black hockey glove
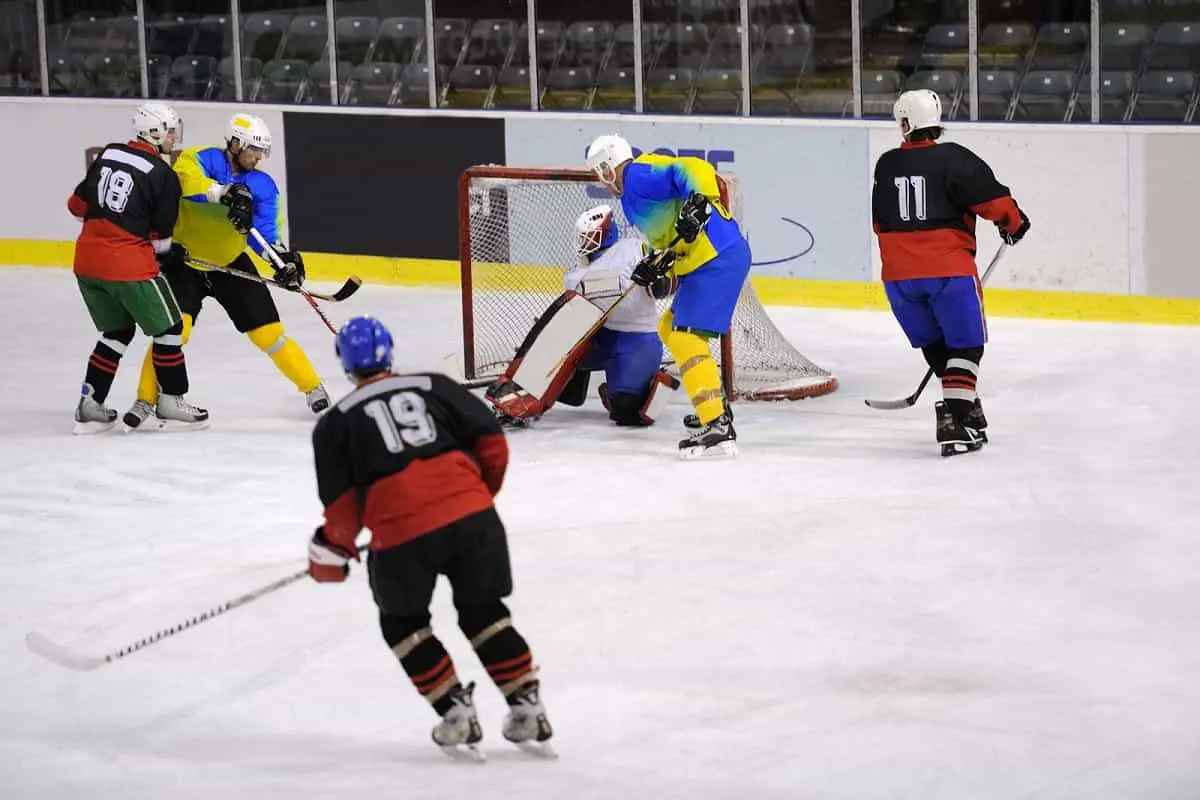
[
  {"x": 693, "y": 214},
  {"x": 1019, "y": 233},
  {"x": 291, "y": 274},
  {"x": 653, "y": 267},
  {"x": 241, "y": 206},
  {"x": 177, "y": 256}
]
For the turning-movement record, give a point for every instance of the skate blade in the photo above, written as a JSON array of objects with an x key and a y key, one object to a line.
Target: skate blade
[
  {"x": 539, "y": 749},
  {"x": 464, "y": 752},
  {"x": 722, "y": 450},
  {"x": 174, "y": 426},
  {"x": 91, "y": 428},
  {"x": 960, "y": 448}
]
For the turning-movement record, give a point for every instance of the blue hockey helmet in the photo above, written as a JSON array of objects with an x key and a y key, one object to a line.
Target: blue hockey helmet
[{"x": 364, "y": 345}]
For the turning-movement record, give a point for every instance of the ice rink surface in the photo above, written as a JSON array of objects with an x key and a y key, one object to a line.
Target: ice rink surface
[{"x": 837, "y": 613}]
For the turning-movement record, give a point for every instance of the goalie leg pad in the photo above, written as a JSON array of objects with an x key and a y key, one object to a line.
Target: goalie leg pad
[
  {"x": 575, "y": 392},
  {"x": 547, "y": 359},
  {"x": 644, "y": 409}
]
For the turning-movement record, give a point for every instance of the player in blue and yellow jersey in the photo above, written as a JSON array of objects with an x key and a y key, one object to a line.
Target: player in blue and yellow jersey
[
  {"x": 681, "y": 207},
  {"x": 224, "y": 195}
]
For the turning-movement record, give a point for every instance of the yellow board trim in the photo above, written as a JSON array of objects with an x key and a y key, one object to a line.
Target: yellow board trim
[{"x": 1027, "y": 303}]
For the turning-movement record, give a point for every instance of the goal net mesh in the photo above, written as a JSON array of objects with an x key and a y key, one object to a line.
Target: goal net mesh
[{"x": 517, "y": 243}]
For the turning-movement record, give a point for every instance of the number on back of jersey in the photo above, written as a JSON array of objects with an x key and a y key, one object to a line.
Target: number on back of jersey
[{"x": 402, "y": 420}]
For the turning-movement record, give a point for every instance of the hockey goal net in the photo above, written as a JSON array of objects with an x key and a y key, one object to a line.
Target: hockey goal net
[{"x": 516, "y": 243}]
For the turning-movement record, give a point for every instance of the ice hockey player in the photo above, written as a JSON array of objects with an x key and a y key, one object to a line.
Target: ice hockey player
[
  {"x": 626, "y": 348},
  {"x": 417, "y": 459},
  {"x": 925, "y": 201},
  {"x": 225, "y": 193},
  {"x": 129, "y": 201},
  {"x": 681, "y": 207}
]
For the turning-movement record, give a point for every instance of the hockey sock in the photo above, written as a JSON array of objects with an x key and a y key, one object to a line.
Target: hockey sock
[
  {"x": 147, "y": 390},
  {"x": 501, "y": 649},
  {"x": 169, "y": 366},
  {"x": 700, "y": 374},
  {"x": 287, "y": 355},
  {"x": 959, "y": 380},
  {"x": 104, "y": 360},
  {"x": 423, "y": 657}
]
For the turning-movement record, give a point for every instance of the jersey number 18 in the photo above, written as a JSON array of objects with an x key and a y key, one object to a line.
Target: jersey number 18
[{"x": 113, "y": 191}]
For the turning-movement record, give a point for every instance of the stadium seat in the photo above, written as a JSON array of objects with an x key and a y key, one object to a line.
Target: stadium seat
[
  {"x": 307, "y": 38},
  {"x": 947, "y": 83},
  {"x": 450, "y": 40},
  {"x": 1164, "y": 96},
  {"x": 158, "y": 71},
  {"x": 281, "y": 81},
  {"x": 880, "y": 88},
  {"x": 316, "y": 91},
  {"x": 400, "y": 40},
  {"x": 491, "y": 41},
  {"x": 226, "y": 87},
  {"x": 262, "y": 35},
  {"x": 214, "y": 37},
  {"x": 414, "y": 84},
  {"x": 668, "y": 90},
  {"x": 685, "y": 47},
  {"x": 373, "y": 84},
  {"x": 1122, "y": 45},
  {"x": 614, "y": 89},
  {"x": 113, "y": 75},
  {"x": 1004, "y": 45},
  {"x": 996, "y": 89},
  {"x": 718, "y": 91},
  {"x": 1175, "y": 46},
  {"x": 1060, "y": 45},
  {"x": 1045, "y": 95},
  {"x": 945, "y": 47},
  {"x": 568, "y": 87},
  {"x": 469, "y": 85},
  {"x": 1116, "y": 90},
  {"x": 355, "y": 37},
  {"x": 190, "y": 77}
]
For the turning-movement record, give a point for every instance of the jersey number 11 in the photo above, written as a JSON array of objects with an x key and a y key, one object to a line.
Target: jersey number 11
[{"x": 911, "y": 195}]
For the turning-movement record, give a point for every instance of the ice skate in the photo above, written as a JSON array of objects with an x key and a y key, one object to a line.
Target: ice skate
[
  {"x": 92, "y": 416},
  {"x": 717, "y": 438},
  {"x": 954, "y": 437},
  {"x": 176, "y": 414},
  {"x": 526, "y": 725},
  {"x": 692, "y": 421},
  {"x": 977, "y": 421},
  {"x": 140, "y": 417},
  {"x": 459, "y": 734},
  {"x": 317, "y": 399}
]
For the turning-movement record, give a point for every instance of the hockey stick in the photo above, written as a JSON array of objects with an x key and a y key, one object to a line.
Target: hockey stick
[
  {"x": 911, "y": 400},
  {"x": 52, "y": 651},
  {"x": 352, "y": 284},
  {"x": 273, "y": 257},
  {"x": 598, "y": 324}
]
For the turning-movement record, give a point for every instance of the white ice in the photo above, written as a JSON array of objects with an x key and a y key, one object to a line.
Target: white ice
[{"x": 837, "y": 613}]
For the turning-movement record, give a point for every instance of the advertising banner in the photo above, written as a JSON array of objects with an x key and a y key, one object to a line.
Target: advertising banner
[
  {"x": 805, "y": 189},
  {"x": 55, "y": 141}
]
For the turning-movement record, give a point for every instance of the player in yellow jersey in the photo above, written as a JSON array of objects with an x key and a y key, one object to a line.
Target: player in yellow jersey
[
  {"x": 224, "y": 195},
  {"x": 681, "y": 207}
]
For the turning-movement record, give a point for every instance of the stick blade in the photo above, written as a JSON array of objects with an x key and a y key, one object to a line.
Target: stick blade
[
  {"x": 52, "y": 651},
  {"x": 891, "y": 405},
  {"x": 352, "y": 285}
]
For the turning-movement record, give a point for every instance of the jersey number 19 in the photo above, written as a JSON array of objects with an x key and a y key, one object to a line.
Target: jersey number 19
[
  {"x": 402, "y": 419},
  {"x": 911, "y": 196}
]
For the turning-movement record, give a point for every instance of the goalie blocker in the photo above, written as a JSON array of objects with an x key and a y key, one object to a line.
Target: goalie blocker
[{"x": 546, "y": 369}]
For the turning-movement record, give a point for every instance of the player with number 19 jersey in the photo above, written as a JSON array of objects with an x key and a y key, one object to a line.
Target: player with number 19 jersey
[{"x": 405, "y": 455}]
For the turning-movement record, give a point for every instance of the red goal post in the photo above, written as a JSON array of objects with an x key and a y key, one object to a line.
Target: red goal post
[{"x": 515, "y": 244}]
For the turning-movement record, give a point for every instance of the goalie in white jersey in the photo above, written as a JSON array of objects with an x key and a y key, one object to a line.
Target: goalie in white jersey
[{"x": 627, "y": 348}]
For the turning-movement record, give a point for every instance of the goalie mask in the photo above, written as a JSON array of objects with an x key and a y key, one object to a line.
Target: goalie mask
[{"x": 595, "y": 230}]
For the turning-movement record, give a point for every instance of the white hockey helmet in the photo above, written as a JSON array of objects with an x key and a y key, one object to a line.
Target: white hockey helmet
[
  {"x": 595, "y": 229},
  {"x": 152, "y": 121},
  {"x": 250, "y": 131},
  {"x": 918, "y": 109},
  {"x": 607, "y": 153}
]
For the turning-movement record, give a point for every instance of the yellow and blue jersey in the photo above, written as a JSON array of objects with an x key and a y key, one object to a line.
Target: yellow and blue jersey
[
  {"x": 203, "y": 226},
  {"x": 653, "y": 187}
]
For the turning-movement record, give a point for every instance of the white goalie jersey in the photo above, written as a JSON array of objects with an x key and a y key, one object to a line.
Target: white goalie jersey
[{"x": 606, "y": 278}]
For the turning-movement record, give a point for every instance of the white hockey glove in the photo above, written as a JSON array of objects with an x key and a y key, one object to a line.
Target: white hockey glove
[{"x": 328, "y": 562}]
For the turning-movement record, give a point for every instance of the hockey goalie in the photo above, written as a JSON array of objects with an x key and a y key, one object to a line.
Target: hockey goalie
[{"x": 555, "y": 362}]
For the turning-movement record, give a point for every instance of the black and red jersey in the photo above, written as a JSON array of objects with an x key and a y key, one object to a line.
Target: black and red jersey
[
  {"x": 129, "y": 197},
  {"x": 404, "y": 455},
  {"x": 924, "y": 205}
]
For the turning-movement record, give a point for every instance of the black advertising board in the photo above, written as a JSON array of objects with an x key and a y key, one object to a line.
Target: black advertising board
[{"x": 382, "y": 185}]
